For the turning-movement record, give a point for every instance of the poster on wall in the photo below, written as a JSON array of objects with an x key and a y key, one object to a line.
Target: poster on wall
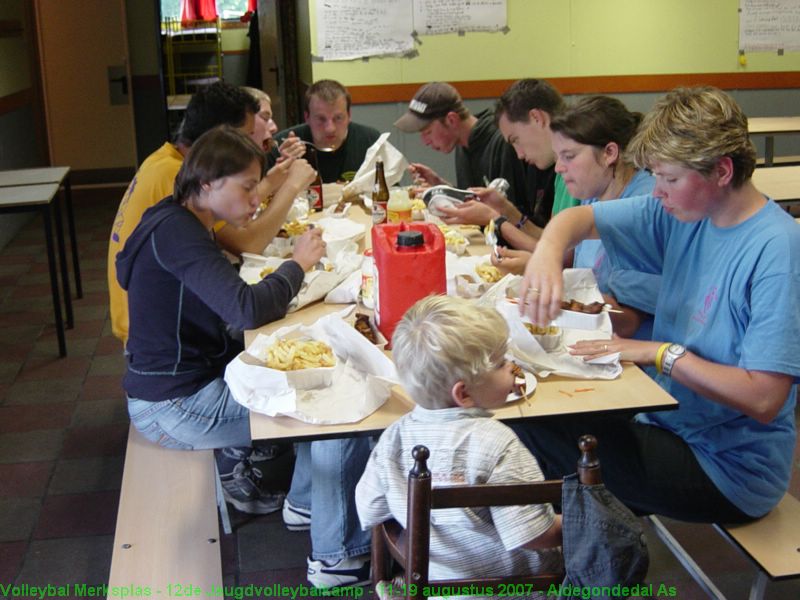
[
  {"x": 450, "y": 16},
  {"x": 350, "y": 29},
  {"x": 769, "y": 25}
]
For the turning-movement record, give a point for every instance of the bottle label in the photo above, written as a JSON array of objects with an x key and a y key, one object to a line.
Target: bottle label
[
  {"x": 399, "y": 216},
  {"x": 314, "y": 195},
  {"x": 376, "y": 300},
  {"x": 378, "y": 212}
]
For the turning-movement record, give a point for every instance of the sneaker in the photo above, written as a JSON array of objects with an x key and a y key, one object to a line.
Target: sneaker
[
  {"x": 296, "y": 518},
  {"x": 262, "y": 453},
  {"x": 241, "y": 491},
  {"x": 350, "y": 571}
]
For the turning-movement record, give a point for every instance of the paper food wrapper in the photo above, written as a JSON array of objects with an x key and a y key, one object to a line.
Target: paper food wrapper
[
  {"x": 347, "y": 292},
  {"x": 463, "y": 278},
  {"x": 579, "y": 284},
  {"x": 299, "y": 210},
  {"x": 316, "y": 283},
  {"x": 394, "y": 166},
  {"x": 360, "y": 384}
]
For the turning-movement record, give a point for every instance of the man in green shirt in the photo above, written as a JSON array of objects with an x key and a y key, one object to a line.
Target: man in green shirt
[{"x": 523, "y": 116}]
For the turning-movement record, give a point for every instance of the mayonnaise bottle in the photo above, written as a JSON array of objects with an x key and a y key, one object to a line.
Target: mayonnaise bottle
[{"x": 399, "y": 207}]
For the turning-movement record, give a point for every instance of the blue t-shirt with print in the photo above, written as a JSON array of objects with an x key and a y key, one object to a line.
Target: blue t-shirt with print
[{"x": 729, "y": 294}]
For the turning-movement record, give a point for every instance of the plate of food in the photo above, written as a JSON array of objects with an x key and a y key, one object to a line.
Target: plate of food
[{"x": 524, "y": 384}]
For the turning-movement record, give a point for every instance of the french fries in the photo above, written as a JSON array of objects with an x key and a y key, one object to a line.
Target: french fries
[
  {"x": 489, "y": 273},
  {"x": 293, "y": 355},
  {"x": 266, "y": 271},
  {"x": 452, "y": 237},
  {"x": 538, "y": 330},
  {"x": 293, "y": 228}
]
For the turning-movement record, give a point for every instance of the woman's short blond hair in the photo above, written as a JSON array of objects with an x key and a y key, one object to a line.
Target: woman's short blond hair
[
  {"x": 442, "y": 340},
  {"x": 695, "y": 127}
]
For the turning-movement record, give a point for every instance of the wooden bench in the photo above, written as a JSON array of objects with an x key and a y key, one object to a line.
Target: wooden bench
[
  {"x": 167, "y": 530},
  {"x": 771, "y": 543}
]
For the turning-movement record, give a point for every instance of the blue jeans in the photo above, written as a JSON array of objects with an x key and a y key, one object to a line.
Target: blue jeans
[
  {"x": 324, "y": 482},
  {"x": 210, "y": 418}
]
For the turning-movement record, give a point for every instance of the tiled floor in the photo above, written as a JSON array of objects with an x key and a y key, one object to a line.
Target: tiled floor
[{"x": 63, "y": 428}]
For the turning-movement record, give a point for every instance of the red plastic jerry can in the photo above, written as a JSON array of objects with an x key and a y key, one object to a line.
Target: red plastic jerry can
[{"x": 409, "y": 264}]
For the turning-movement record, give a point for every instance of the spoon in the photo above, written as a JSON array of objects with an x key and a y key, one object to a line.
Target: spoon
[{"x": 318, "y": 148}]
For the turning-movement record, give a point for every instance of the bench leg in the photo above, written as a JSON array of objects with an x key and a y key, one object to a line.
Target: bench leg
[
  {"x": 221, "y": 504},
  {"x": 683, "y": 557},
  {"x": 759, "y": 585}
]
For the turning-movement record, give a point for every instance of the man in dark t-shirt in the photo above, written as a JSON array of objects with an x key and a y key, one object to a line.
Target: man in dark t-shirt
[
  {"x": 339, "y": 144},
  {"x": 444, "y": 123}
]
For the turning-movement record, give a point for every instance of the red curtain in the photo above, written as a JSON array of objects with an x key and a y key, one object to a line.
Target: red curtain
[{"x": 198, "y": 10}]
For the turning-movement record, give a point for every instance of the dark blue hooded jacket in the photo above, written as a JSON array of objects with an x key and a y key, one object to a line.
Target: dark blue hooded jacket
[{"x": 182, "y": 294}]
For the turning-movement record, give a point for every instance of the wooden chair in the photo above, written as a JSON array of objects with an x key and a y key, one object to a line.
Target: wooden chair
[{"x": 409, "y": 548}]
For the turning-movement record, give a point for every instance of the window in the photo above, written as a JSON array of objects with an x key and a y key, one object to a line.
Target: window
[
  {"x": 231, "y": 9},
  {"x": 227, "y": 9}
]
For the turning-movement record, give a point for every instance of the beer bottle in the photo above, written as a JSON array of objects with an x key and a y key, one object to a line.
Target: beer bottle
[
  {"x": 314, "y": 191},
  {"x": 380, "y": 195}
]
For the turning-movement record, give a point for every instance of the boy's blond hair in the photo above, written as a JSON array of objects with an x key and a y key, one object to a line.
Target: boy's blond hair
[
  {"x": 256, "y": 93},
  {"x": 442, "y": 340},
  {"x": 695, "y": 127}
]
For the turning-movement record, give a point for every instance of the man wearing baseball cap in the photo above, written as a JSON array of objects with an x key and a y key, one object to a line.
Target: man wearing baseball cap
[{"x": 438, "y": 114}]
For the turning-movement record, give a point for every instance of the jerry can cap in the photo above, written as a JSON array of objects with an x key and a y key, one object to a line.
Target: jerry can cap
[{"x": 410, "y": 239}]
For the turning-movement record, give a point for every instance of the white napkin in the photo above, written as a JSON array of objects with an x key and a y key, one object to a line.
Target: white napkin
[
  {"x": 361, "y": 382},
  {"x": 394, "y": 166},
  {"x": 298, "y": 211},
  {"x": 316, "y": 283}
]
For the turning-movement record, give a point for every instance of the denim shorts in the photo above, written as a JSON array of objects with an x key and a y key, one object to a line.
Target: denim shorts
[{"x": 209, "y": 418}]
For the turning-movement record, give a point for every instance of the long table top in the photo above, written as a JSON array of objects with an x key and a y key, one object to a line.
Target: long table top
[
  {"x": 773, "y": 125},
  {"x": 782, "y": 184},
  {"x": 34, "y": 176},
  {"x": 554, "y": 396},
  {"x": 27, "y": 195}
]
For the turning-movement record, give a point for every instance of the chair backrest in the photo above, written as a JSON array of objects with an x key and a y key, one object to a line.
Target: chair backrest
[{"x": 410, "y": 548}]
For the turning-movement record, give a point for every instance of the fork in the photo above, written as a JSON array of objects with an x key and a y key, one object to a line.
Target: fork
[{"x": 490, "y": 236}]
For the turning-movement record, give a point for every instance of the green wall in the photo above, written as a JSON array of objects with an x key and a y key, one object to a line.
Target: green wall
[{"x": 574, "y": 38}]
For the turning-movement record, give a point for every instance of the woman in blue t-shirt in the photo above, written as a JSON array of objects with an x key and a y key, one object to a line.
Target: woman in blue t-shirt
[{"x": 726, "y": 321}]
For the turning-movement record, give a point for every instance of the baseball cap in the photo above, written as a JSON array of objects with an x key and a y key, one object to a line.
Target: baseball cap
[{"x": 432, "y": 101}]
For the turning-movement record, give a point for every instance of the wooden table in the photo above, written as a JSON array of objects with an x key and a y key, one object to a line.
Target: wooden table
[
  {"x": 770, "y": 127},
  {"x": 782, "y": 184},
  {"x": 60, "y": 176},
  {"x": 32, "y": 198},
  {"x": 632, "y": 392}
]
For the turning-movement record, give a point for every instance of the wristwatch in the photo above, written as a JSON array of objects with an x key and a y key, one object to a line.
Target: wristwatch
[
  {"x": 498, "y": 223},
  {"x": 671, "y": 354}
]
